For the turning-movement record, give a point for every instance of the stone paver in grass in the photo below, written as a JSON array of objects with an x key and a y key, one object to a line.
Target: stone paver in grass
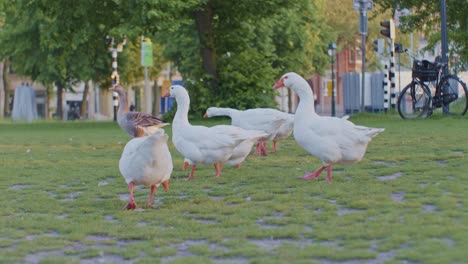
[
  {"x": 343, "y": 211},
  {"x": 62, "y": 216},
  {"x": 106, "y": 258},
  {"x": 389, "y": 177},
  {"x": 386, "y": 163},
  {"x": 19, "y": 186},
  {"x": 71, "y": 196},
  {"x": 448, "y": 241},
  {"x": 103, "y": 183},
  {"x": 442, "y": 162},
  {"x": 263, "y": 222},
  {"x": 110, "y": 219},
  {"x": 124, "y": 197},
  {"x": 183, "y": 249},
  {"x": 37, "y": 257},
  {"x": 51, "y": 234},
  {"x": 398, "y": 196},
  {"x": 216, "y": 198},
  {"x": 381, "y": 256},
  {"x": 429, "y": 208},
  {"x": 236, "y": 260},
  {"x": 207, "y": 221},
  {"x": 269, "y": 244}
]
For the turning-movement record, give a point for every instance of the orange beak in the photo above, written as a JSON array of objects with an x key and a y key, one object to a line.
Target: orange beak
[
  {"x": 167, "y": 94},
  {"x": 205, "y": 115},
  {"x": 279, "y": 84}
]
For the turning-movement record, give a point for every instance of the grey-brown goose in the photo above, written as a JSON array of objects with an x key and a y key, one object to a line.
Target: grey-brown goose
[{"x": 136, "y": 124}]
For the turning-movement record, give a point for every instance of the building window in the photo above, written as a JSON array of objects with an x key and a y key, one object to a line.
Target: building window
[
  {"x": 358, "y": 55},
  {"x": 352, "y": 55}
]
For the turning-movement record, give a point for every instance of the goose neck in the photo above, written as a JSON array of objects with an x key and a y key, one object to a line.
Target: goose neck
[
  {"x": 223, "y": 112},
  {"x": 306, "y": 101},
  {"x": 181, "y": 116},
  {"x": 123, "y": 104}
]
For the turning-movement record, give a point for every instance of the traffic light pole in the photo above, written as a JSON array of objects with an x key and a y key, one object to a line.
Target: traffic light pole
[
  {"x": 391, "y": 74},
  {"x": 363, "y": 77},
  {"x": 389, "y": 32}
]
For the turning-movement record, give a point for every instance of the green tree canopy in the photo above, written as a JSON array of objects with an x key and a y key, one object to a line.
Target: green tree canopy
[
  {"x": 57, "y": 41},
  {"x": 229, "y": 52}
]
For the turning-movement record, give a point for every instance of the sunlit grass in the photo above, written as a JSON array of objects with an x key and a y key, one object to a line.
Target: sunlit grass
[{"x": 62, "y": 195}]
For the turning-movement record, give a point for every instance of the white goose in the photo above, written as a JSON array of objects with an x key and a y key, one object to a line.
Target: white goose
[
  {"x": 278, "y": 125},
  {"x": 146, "y": 160},
  {"x": 332, "y": 140},
  {"x": 201, "y": 144},
  {"x": 284, "y": 131},
  {"x": 239, "y": 154}
]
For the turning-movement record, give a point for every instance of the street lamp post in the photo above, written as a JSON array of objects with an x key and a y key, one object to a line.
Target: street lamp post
[
  {"x": 115, "y": 74},
  {"x": 332, "y": 54},
  {"x": 363, "y": 6}
]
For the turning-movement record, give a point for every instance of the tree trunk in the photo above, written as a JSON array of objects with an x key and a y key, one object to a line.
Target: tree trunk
[
  {"x": 59, "y": 110},
  {"x": 204, "y": 23},
  {"x": 2, "y": 91},
  {"x": 157, "y": 98},
  {"x": 91, "y": 100},
  {"x": 47, "y": 98},
  {"x": 84, "y": 101},
  {"x": 6, "y": 99}
]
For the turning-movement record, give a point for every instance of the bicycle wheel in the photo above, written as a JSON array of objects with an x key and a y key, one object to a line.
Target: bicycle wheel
[
  {"x": 452, "y": 95},
  {"x": 414, "y": 101}
]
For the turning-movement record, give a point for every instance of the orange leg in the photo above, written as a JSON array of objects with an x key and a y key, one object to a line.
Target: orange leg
[
  {"x": 131, "y": 201},
  {"x": 165, "y": 184},
  {"x": 329, "y": 173},
  {"x": 263, "y": 149},
  {"x": 149, "y": 203},
  {"x": 313, "y": 175},
  {"x": 192, "y": 172},
  {"x": 258, "y": 148},
  {"x": 218, "y": 167},
  {"x": 274, "y": 146}
]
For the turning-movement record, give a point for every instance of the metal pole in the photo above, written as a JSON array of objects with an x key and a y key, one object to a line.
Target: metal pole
[
  {"x": 333, "y": 85},
  {"x": 443, "y": 26},
  {"x": 443, "y": 40},
  {"x": 399, "y": 73},
  {"x": 115, "y": 95},
  {"x": 147, "y": 93},
  {"x": 363, "y": 78}
]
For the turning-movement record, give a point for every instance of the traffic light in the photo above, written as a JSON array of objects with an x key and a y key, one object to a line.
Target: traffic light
[
  {"x": 399, "y": 48},
  {"x": 389, "y": 28},
  {"x": 379, "y": 46}
]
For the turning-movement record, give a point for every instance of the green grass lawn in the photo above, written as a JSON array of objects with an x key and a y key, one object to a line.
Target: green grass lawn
[{"x": 405, "y": 202}]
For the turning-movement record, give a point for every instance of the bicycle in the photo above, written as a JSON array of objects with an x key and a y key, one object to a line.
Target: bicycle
[{"x": 432, "y": 89}]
